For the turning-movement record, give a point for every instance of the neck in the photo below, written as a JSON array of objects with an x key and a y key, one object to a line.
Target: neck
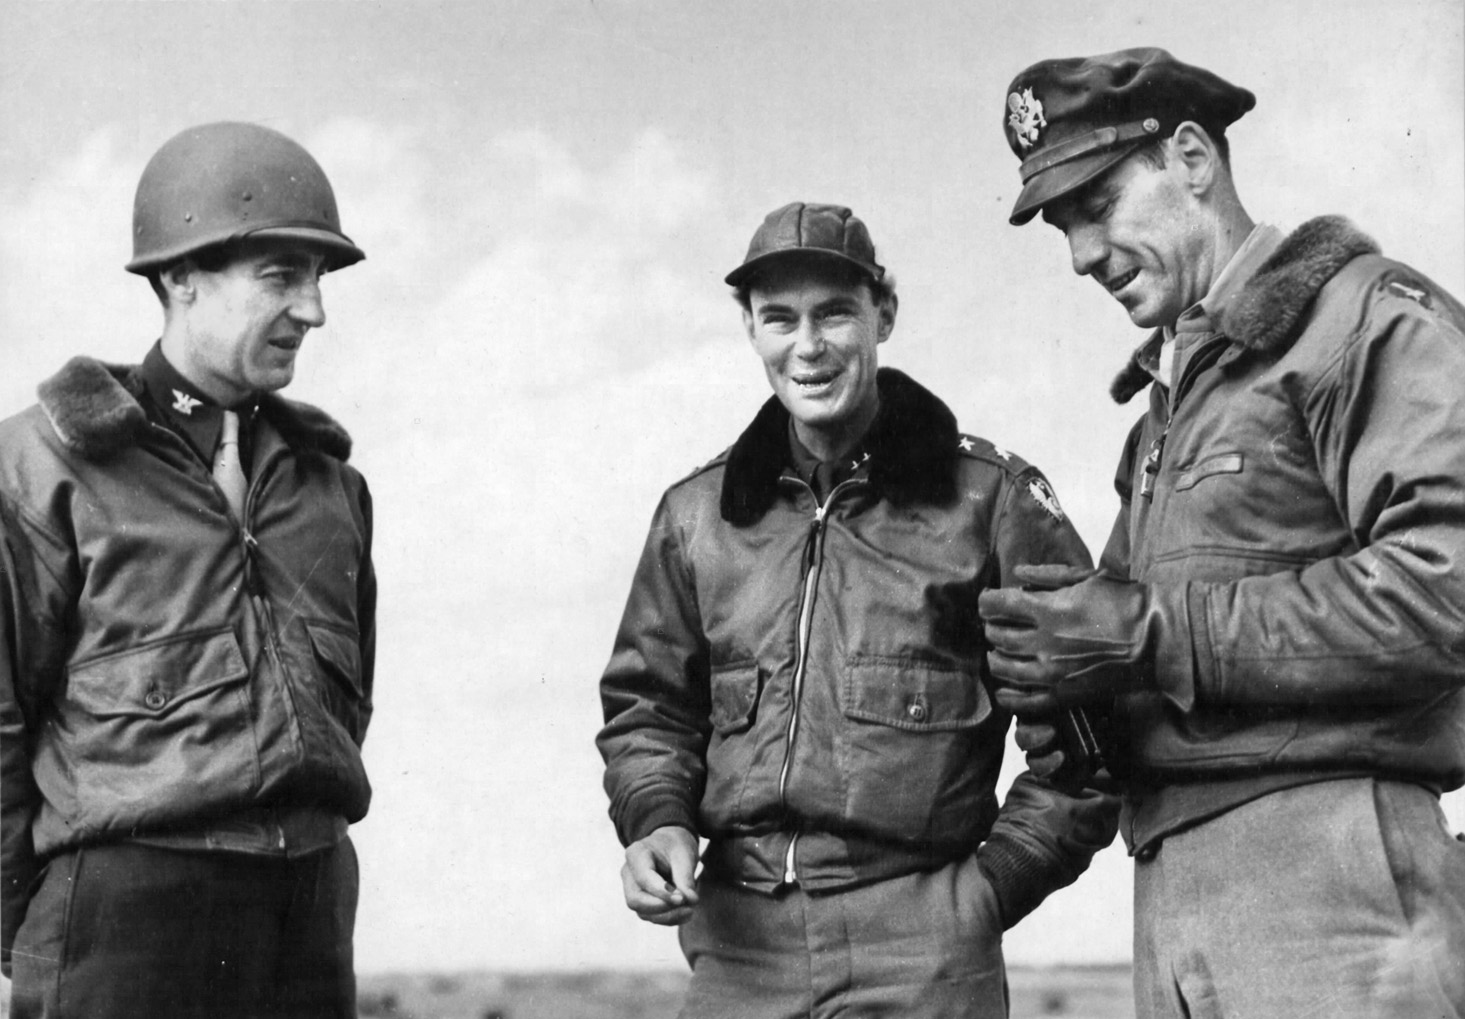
[
  {"x": 839, "y": 439},
  {"x": 175, "y": 349}
]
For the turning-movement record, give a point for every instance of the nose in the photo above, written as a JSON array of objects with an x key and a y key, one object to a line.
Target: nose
[
  {"x": 809, "y": 340},
  {"x": 306, "y": 307},
  {"x": 1086, "y": 247}
]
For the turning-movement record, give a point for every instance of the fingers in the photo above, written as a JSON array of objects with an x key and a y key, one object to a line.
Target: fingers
[
  {"x": 658, "y": 876},
  {"x": 1028, "y": 703},
  {"x": 1036, "y": 737},
  {"x": 1046, "y": 765},
  {"x": 1005, "y": 607},
  {"x": 660, "y": 904},
  {"x": 1051, "y": 576}
]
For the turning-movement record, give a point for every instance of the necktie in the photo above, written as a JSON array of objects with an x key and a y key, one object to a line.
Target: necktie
[{"x": 228, "y": 472}]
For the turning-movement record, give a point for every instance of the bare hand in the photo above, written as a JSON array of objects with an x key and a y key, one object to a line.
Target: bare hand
[{"x": 658, "y": 876}]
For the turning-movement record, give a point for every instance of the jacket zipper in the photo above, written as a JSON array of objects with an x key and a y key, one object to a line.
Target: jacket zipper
[
  {"x": 263, "y": 614},
  {"x": 1199, "y": 361},
  {"x": 814, "y": 561}
]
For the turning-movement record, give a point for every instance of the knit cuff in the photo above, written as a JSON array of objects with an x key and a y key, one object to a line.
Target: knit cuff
[{"x": 1018, "y": 877}]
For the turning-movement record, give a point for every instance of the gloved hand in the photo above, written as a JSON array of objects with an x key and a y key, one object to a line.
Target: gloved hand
[{"x": 1082, "y": 644}]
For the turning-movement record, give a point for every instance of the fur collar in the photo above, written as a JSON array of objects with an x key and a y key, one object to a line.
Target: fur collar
[
  {"x": 94, "y": 410},
  {"x": 1266, "y": 315},
  {"x": 912, "y": 447}
]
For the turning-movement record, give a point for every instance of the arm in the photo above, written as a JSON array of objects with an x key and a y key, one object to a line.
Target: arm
[
  {"x": 657, "y": 723},
  {"x": 1381, "y": 624},
  {"x": 1044, "y": 837},
  {"x": 1385, "y": 623},
  {"x": 366, "y": 612},
  {"x": 30, "y": 666}
]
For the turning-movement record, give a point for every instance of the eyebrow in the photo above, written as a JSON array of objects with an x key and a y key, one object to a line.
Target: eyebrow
[{"x": 838, "y": 302}]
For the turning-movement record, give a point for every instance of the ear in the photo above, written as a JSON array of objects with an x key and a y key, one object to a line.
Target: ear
[
  {"x": 177, "y": 280},
  {"x": 887, "y": 311},
  {"x": 1196, "y": 155}
]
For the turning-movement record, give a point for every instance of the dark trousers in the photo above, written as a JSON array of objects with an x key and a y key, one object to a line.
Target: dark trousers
[{"x": 130, "y": 930}]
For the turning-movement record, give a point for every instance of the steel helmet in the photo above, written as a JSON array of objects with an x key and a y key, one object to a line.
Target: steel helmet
[{"x": 221, "y": 182}]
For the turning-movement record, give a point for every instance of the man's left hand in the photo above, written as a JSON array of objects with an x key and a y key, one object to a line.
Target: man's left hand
[{"x": 1083, "y": 644}]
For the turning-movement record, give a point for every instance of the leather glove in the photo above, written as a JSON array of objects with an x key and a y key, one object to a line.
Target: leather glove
[{"x": 1082, "y": 644}]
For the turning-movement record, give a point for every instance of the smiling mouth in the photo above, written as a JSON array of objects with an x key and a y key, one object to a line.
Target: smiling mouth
[
  {"x": 286, "y": 343},
  {"x": 1121, "y": 281},
  {"x": 814, "y": 380}
]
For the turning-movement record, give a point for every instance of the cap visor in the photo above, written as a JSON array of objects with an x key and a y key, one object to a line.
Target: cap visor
[
  {"x": 752, "y": 266},
  {"x": 1057, "y": 181}
]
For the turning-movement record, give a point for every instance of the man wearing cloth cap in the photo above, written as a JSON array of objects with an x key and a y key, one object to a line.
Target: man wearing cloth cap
[
  {"x": 798, "y": 677},
  {"x": 187, "y": 625},
  {"x": 1277, "y": 619}
]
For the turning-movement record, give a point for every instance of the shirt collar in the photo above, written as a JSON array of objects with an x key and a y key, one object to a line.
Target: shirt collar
[
  {"x": 184, "y": 407},
  {"x": 1205, "y": 315}
]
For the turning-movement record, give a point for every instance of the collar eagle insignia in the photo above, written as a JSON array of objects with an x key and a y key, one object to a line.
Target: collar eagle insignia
[
  {"x": 1025, "y": 117},
  {"x": 183, "y": 403},
  {"x": 1045, "y": 497}
]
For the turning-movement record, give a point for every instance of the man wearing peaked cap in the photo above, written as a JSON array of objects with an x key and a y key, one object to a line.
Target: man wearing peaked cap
[
  {"x": 798, "y": 676},
  {"x": 1275, "y": 627},
  {"x": 187, "y": 625}
]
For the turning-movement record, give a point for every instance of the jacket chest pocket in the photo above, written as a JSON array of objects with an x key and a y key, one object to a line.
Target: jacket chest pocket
[
  {"x": 907, "y": 745},
  {"x": 1221, "y": 463},
  {"x": 160, "y": 722}
]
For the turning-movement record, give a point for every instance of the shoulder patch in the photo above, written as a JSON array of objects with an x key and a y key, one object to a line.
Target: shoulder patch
[
  {"x": 1044, "y": 496},
  {"x": 977, "y": 448}
]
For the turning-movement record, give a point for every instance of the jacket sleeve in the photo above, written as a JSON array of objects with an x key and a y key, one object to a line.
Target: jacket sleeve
[
  {"x": 31, "y": 652},
  {"x": 655, "y": 694},
  {"x": 1385, "y": 621},
  {"x": 366, "y": 612},
  {"x": 1043, "y": 838}
]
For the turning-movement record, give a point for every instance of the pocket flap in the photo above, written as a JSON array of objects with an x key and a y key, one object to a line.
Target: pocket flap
[
  {"x": 151, "y": 680},
  {"x": 915, "y": 695},
  {"x": 734, "y": 695},
  {"x": 1225, "y": 463},
  {"x": 340, "y": 651}
]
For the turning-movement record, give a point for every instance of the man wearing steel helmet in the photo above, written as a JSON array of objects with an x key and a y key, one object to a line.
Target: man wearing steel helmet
[
  {"x": 798, "y": 676},
  {"x": 1276, "y": 623},
  {"x": 187, "y": 631}
]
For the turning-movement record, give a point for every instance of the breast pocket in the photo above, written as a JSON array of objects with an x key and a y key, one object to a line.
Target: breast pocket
[
  {"x": 1210, "y": 467},
  {"x": 730, "y": 752},
  {"x": 907, "y": 744}
]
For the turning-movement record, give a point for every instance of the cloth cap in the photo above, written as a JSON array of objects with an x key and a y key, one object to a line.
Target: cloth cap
[
  {"x": 824, "y": 230},
  {"x": 1070, "y": 120}
]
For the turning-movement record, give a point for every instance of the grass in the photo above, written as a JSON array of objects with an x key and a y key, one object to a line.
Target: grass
[{"x": 1086, "y": 992}]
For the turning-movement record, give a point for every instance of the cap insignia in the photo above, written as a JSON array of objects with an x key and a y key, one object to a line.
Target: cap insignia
[
  {"x": 1044, "y": 496},
  {"x": 1026, "y": 117},
  {"x": 183, "y": 403}
]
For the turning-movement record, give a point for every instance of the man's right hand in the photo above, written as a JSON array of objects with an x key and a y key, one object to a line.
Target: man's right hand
[{"x": 658, "y": 876}]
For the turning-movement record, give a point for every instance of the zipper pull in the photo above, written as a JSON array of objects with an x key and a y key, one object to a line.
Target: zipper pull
[{"x": 1152, "y": 468}]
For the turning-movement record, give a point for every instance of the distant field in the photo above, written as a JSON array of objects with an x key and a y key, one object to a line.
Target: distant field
[{"x": 1099, "y": 992}]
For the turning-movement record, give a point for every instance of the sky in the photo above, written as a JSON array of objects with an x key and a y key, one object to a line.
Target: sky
[{"x": 539, "y": 342}]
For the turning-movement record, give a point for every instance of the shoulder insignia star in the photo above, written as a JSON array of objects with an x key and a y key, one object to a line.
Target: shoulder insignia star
[
  {"x": 965, "y": 444},
  {"x": 1002, "y": 453},
  {"x": 183, "y": 403}
]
